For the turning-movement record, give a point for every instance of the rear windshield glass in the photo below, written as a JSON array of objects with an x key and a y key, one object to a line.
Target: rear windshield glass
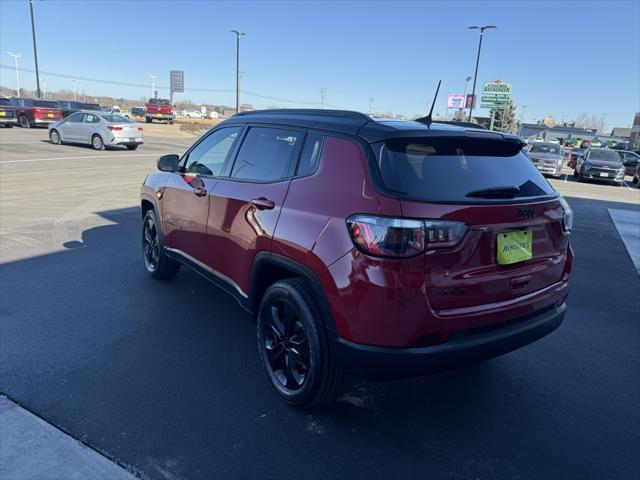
[
  {"x": 159, "y": 101},
  {"x": 606, "y": 155},
  {"x": 45, "y": 104},
  {"x": 115, "y": 118},
  {"x": 448, "y": 170},
  {"x": 5, "y": 102},
  {"x": 545, "y": 149}
]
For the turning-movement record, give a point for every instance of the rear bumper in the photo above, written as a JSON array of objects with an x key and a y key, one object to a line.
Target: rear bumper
[
  {"x": 8, "y": 120},
  {"x": 45, "y": 121},
  {"x": 464, "y": 347},
  {"x": 160, "y": 116}
]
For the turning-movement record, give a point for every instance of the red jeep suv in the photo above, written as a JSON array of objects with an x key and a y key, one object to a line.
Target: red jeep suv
[{"x": 381, "y": 249}]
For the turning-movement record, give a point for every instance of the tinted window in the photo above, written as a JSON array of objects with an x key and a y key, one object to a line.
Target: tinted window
[
  {"x": 545, "y": 149},
  {"x": 159, "y": 101},
  {"x": 45, "y": 104},
  {"x": 115, "y": 118},
  {"x": 310, "y": 154},
  {"x": 24, "y": 102},
  {"x": 75, "y": 117},
  {"x": 447, "y": 170},
  {"x": 211, "y": 154},
  {"x": 265, "y": 154},
  {"x": 90, "y": 118},
  {"x": 90, "y": 106},
  {"x": 605, "y": 155},
  {"x": 5, "y": 102}
]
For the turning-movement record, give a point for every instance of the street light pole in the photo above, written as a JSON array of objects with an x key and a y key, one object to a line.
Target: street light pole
[
  {"x": 238, "y": 35},
  {"x": 152, "y": 80},
  {"x": 74, "y": 89},
  {"x": 16, "y": 56},
  {"x": 524, "y": 107},
  {"x": 464, "y": 105},
  {"x": 35, "y": 49},
  {"x": 323, "y": 94},
  {"x": 475, "y": 76}
]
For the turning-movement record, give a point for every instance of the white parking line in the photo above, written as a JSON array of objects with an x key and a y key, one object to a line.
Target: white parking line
[
  {"x": 565, "y": 177},
  {"x": 625, "y": 184},
  {"x": 78, "y": 158}
]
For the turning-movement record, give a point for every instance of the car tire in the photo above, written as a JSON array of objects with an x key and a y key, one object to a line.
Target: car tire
[
  {"x": 24, "y": 122},
  {"x": 148, "y": 120},
  {"x": 97, "y": 143},
  {"x": 54, "y": 136},
  {"x": 132, "y": 147},
  {"x": 8, "y": 125},
  {"x": 303, "y": 372},
  {"x": 575, "y": 173},
  {"x": 156, "y": 261}
]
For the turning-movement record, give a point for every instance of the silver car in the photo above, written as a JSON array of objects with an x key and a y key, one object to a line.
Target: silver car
[
  {"x": 547, "y": 157},
  {"x": 98, "y": 129}
]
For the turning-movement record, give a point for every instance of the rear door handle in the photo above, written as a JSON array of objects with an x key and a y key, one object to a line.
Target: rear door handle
[
  {"x": 263, "y": 203},
  {"x": 200, "y": 192}
]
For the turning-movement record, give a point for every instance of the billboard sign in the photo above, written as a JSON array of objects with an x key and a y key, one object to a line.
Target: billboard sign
[
  {"x": 497, "y": 87},
  {"x": 455, "y": 100},
  {"x": 177, "y": 81},
  {"x": 495, "y": 101},
  {"x": 469, "y": 101}
]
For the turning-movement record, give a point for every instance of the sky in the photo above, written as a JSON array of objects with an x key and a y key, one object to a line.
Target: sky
[{"x": 562, "y": 58}]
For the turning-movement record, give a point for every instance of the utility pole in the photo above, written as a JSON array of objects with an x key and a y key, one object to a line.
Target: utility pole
[
  {"x": 74, "y": 89},
  {"x": 524, "y": 107},
  {"x": 464, "y": 105},
  {"x": 44, "y": 87},
  {"x": 35, "y": 49},
  {"x": 604, "y": 115},
  {"x": 152, "y": 80},
  {"x": 371, "y": 102},
  {"x": 323, "y": 94},
  {"x": 238, "y": 35},
  {"x": 475, "y": 77},
  {"x": 16, "y": 56}
]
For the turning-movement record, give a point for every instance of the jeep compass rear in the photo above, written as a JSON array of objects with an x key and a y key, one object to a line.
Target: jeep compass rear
[{"x": 380, "y": 249}]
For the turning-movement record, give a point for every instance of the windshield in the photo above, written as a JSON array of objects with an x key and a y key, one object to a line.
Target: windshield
[
  {"x": 116, "y": 118},
  {"x": 45, "y": 104},
  {"x": 604, "y": 155},
  {"x": 5, "y": 102},
  {"x": 555, "y": 149},
  {"x": 447, "y": 170}
]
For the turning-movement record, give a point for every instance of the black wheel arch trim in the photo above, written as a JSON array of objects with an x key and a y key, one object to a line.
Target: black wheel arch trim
[{"x": 264, "y": 260}]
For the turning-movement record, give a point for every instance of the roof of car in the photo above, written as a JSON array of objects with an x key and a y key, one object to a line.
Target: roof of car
[{"x": 356, "y": 123}]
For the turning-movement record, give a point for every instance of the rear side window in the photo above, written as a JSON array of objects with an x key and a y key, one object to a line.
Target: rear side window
[
  {"x": 89, "y": 118},
  {"x": 310, "y": 154},
  {"x": 450, "y": 169},
  {"x": 265, "y": 154},
  {"x": 211, "y": 155}
]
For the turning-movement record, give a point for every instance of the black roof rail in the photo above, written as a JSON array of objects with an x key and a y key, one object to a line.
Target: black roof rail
[{"x": 310, "y": 111}]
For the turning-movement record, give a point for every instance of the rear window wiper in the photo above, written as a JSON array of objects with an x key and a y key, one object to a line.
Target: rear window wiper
[{"x": 507, "y": 191}]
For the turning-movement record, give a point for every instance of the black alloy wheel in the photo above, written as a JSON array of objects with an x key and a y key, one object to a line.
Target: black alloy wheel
[
  {"x": 286, "y": 345},
  {"x": 155, "y": 259}
]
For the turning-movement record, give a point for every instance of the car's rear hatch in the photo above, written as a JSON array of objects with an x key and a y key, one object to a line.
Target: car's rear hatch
[
  {"x": 45, "y": 110},
  {"x": 493, "y": 188},
  {"x": 6, "y": 109}
]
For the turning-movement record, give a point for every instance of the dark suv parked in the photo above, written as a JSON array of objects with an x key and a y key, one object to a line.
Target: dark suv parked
[
  {"x": 600, "y": 164},
  {"x": 7, "y": 113},
  {"x": 69, "y": 106},
  {"x": 32, "y": 112},
  {"x": 383, "y": 249}
]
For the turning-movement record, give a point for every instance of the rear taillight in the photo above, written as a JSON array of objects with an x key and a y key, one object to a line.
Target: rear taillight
[
  {"x": 38, "y": 113},
  {"x": 402, "y": 237},
  {"x": 114, "y": 129},
  {"x": 567, "y": 217},
  {"x": 140, "y": 129}
]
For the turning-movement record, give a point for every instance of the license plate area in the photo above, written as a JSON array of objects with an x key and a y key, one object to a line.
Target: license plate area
[
  {"x": 514, "y": 247},
  {"x": 604, "y": 174}
]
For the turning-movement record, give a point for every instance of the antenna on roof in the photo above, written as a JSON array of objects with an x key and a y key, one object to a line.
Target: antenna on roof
[{"x": 427, "y": 120}]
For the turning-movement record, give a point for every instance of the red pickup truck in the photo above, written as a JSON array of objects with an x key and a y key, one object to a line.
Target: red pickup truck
[{"x": 160, "y": 109}]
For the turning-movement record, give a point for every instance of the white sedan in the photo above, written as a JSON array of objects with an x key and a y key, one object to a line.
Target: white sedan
[{"x": 98, "y": 129}]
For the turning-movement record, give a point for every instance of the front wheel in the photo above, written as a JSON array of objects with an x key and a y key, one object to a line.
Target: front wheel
[
  {"x": 132, "y": 147},
  {"x": 54, "y": 136},
  {"x": 294, "y": 347},
  {"x": 155, "y": 259}
]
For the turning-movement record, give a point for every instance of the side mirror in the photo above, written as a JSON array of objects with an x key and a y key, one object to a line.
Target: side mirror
[{"x": 169, "y": 163}]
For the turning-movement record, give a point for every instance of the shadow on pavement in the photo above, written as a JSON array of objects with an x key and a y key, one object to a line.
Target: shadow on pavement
[{"x": 164, "y": 377}]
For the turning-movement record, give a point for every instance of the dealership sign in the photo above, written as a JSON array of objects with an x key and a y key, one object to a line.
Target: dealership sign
[
  {"x": 176, "y": 80},
  {"x": 496, "y": 94},
  {"x": 456, "y": 100}
]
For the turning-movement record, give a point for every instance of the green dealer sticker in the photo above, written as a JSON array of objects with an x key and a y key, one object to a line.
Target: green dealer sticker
[{"x": 514, "y": 247}]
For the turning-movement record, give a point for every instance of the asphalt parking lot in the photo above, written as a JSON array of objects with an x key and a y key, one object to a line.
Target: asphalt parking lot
[{"x": 163, "y": 377}]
